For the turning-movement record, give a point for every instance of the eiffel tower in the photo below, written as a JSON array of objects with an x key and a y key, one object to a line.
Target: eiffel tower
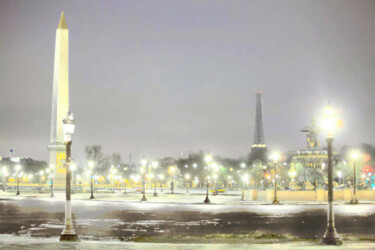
[{"x": 259, "y": 147}]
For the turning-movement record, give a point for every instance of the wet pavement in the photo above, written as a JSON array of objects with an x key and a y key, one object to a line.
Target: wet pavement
[
  {"x": 126, "y": 220},
  {"x": 30, "y": 243}
]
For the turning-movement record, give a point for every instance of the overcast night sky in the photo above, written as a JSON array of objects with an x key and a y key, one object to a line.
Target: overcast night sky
[{"x": 158, "y": 78}]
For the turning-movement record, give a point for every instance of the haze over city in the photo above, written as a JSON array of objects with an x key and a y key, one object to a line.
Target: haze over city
[{"x": 163, "y": 78}]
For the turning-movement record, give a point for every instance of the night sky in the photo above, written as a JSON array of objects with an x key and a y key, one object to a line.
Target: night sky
[{"x": 160, "y": 78}]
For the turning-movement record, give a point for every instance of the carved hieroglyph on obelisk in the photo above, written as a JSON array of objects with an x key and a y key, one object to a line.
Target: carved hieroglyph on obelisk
[{"x": 60, "y": 103}]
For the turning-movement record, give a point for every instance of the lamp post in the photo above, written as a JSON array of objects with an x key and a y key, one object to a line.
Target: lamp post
[
  {"x": 91, "y": 167},
  {"x": 161, "y": 178},
  {"x": 355, "y": 156},
  {"x": 339, "y": 174},
  {"x": 330, "y": 122},
  {"x": 171, "y": 170},
  {"x": 41, "y": 173},
  {"x": 18, "y": 168},
  {"x": 275, "y": 157},
  {"x": 208, "y": 160},
  {"x": 5, "y": 173},
  {"x": 125, "y": 169},
  {"x": 155, "y": 166},
  {"x": 187, "y": 177},
  {"x": 68, "y": 233},
  {"x": 51, "y": 167},
  {"x": 143, "y": 171}
]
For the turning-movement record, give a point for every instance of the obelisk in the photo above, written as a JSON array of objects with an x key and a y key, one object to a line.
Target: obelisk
[{"x": 60, "y": 104}]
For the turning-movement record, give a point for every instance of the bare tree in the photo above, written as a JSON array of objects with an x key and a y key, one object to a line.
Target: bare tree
[{"x": 95, "y": 153}]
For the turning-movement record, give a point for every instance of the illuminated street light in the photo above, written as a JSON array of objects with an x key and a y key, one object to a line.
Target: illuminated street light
[
  {"x": 4, "y": 173},
  {"x": 68, "y": 233},
  {"x": 245, "y": 179},
  {"x": 355, "y": 156},
  {"x": 51, "y": 168},
  {"x": 143, "y": 171},
  {"x": 155, "y": 165},
  {"x": 275, "y": 157},
  {"x": 91, "y": 167},
  {"x": 208, "y": 159},
  {"x": 171, "y": 171},
  {"x": 41, "y": 173},
  {"x": 161, "y": 178},
  {"x": 329, "y": 124},
  {"x": 187, "y": 177},
  {"x": 292, "y": 174},
  {"x": 339, "y": 174},
  {"x": 207, "y": 200},
  {"x": 18, "y": 169}
]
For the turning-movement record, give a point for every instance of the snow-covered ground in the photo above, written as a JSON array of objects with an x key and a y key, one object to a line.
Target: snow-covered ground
[
  {"x": 27, "y": 242},
  {"x": 127, "y": 218}
]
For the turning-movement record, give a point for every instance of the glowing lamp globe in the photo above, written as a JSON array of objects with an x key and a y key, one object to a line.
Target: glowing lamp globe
[
  {"x": 355, "y": 155},
  {"x": 69, "y": 124},
  {"x": 143, "y": 162},
  {"x": 275, "y": 156}
]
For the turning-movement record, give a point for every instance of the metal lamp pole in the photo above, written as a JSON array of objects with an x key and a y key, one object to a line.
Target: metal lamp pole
[
  {"x": 354, "y": 199},
  {"x": 275, "y": 200},
  {"x": 155, "y": 194},
  {"x": 68, "y": 233},
  {"x": 144, "y": 187},
  {"x": 92, "y": 188},
  {"x": 330, "y": 237},
  {"x": 52, "y": 195},
  {"x": 172, "y": 185},
  {"x": 207, "y": 200},
  {"x": 3, "y": 186},
  {"x": 18, "y": 184},
  {"x": 125, "y": 186}
]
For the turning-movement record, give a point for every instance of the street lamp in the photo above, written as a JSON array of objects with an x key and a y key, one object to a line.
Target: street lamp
[
  {"x": 339, "y": 174},
  {"x": 187, "y": 177},
  {"x": 41, "y": 173},
  {"x": 143, "y": 171},
  {"x": 161, "y": 178},
  {"x": 330, "y": 123},
  {"x": 125, "y": 169},
  {"x": 91, "y": 167},
  {"x": 208, "y": 160},
  {"x": 51, "y": 167},
  {"x": 171, "y": 171},
  {"x": 275, "y": 158},
  {"x": 155, "y": 165},
  {"x": 245, "y": 179},
  {"x": 18, "y": 168},
  {"x": 68, "y": 233},
  {"x": 355, "y": 156},
  {"x": 5, "y": 173}
]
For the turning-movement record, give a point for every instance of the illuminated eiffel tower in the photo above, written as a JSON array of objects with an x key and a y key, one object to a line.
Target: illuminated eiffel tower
[{"x": 259, "y": 147}]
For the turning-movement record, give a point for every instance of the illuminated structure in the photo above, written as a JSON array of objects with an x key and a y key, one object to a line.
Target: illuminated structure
[
  {"x": 60, "y": 104},
  {"x": 311, "y": 136},
  {"x": 259, "y": 147},
  {"x": 312, "y": 158}
]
